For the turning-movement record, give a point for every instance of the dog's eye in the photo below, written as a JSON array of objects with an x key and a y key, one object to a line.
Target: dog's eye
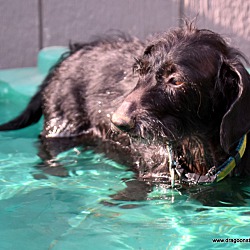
[{"x": 175, "y": 82}]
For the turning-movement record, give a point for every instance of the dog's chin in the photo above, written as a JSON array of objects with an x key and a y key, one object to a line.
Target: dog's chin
[
  {"x": 158, "y": 150},
  {"x": 143, "y": 136}
]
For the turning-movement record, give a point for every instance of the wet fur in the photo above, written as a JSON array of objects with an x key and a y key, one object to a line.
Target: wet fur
[{"x": 187, "y": 88}]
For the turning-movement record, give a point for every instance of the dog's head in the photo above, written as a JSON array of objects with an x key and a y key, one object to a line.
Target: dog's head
[{"x": 190, "y": 83}]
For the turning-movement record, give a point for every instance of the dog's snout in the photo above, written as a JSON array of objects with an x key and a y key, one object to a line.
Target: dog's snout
[
  {"x": 123, "y": 118},
  {"x": 123, "y": 123}
]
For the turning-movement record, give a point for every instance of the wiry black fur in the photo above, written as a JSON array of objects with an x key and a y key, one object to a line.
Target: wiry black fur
[
  {"x": 192, "y": 93},
  {"x": 188, "y": 89}
]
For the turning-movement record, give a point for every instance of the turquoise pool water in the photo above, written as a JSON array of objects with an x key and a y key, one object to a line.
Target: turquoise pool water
[{"x": 40, "y": 211}]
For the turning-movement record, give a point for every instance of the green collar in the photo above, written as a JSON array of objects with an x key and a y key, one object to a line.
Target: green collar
[{"x": 215, "y": 174}]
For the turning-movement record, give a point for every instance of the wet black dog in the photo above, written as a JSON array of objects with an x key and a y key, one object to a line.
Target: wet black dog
[{"x": 185, "y": 102}]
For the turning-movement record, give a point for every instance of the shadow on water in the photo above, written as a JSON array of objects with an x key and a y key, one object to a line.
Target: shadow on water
[{"x": 231, "y": 192}]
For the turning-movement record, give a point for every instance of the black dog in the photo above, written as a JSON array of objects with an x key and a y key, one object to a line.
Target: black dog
[{"x": 182, "y": 111}]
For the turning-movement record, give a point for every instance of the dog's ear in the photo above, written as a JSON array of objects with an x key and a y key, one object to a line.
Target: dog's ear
[{"x": 236, "y": 121}]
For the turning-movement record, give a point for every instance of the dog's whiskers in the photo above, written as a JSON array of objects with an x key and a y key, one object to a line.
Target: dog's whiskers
[
  {"x": 109, "y": 133},
  {"x": 161, "y": 131}
]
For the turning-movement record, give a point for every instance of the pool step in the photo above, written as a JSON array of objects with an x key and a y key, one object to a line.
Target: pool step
[{"x": 48, "y": 57}]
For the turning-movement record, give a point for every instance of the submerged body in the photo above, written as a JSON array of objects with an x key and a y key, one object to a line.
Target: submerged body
[{"x": 183, "y": 89}]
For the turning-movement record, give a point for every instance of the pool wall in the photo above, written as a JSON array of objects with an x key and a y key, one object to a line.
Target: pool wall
[{"x": 27, "y": 26}]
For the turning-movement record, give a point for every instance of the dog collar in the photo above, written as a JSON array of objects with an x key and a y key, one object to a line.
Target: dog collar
[
  {"x": 232, "y": 161},
  {"x": 215, "y": 174}
]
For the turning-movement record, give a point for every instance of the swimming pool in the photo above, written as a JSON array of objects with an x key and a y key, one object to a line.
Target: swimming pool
[{"x": 41, "y": 211}]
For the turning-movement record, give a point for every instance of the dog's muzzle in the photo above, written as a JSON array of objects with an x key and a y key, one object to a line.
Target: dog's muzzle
[
  {"x": 123, "y": 119},
  {"x": 122, "y": 123}
]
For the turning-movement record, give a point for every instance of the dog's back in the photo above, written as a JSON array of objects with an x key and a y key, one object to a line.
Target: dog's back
[{"x": 84, "y": 88}]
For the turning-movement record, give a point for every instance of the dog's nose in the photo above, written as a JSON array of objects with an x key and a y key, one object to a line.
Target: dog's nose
[{"x": 123, "y": 123}]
